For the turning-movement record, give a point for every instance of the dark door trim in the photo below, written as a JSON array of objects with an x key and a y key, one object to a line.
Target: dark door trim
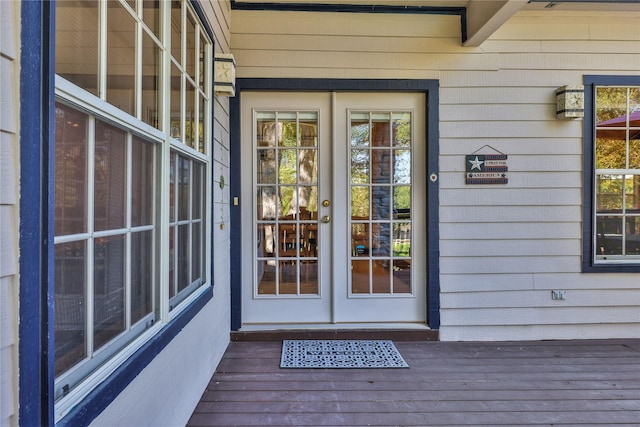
[{"x": 429, "y": 87}]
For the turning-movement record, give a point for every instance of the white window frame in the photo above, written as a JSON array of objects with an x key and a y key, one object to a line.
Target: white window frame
[
  {"x": 98, "y": 108},
  {"x": 608, "y": 259}
]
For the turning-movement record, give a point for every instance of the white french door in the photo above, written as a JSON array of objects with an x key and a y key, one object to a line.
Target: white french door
[{"x": 333, "y": 209}]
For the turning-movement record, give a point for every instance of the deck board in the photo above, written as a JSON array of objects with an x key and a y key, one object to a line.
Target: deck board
[{"x": 564, "y": 383}]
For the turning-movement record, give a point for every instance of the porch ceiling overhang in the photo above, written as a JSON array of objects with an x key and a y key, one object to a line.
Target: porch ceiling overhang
[{"x": 479, "y": 18}]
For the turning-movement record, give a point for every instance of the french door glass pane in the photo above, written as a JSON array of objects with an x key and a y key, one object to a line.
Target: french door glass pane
[
  {"x": 71, "y": 171},
  {"x": 401, "y": 130},
  {"x": 286, "y": 202},
  {"x": 266, "y": 203},
  {"x": 401, "y": 166},
  {"x": 266, "y": 272},
  {"x": 360, "y": 167},
  {"x": 380, "y": 130},
  {"x": 380, "y": 191},
  {"x": 401, "y": 276},
  {"x": 380, "y": 198},
  {"x": 380, "y": 276},
  {"x": 360, "y": 280},
  {"x": 359, "y": 203}
]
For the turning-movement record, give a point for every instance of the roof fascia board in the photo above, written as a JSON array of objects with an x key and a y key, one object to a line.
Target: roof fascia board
[
  {"x": 583, "y": 1},
  {"x": 345, "y": 7},
  {"x": 355, "y": 8}
]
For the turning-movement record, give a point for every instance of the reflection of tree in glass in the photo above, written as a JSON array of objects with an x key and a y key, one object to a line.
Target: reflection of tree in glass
[
  {"x": 402, "y": 131},
  {"x": 359, "y": 134},
  {"x": 296, "y": 166},
  {"x": 616, "y": 152}
]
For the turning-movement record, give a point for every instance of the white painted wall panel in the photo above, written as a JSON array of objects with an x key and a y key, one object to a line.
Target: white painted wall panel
[
  {"x": 7, "y": 169},
  {"x": 8, "y": 118},
  {"x": 9, "y": 224},
  {"x": 504, "y": 247},
  {"x": 8, "y": 29},
  {"x": 451, "y": 232},
  {"x": 8, "y": 241}
]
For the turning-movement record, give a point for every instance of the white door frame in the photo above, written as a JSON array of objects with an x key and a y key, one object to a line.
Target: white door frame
[{"x": 429, "y": 87}]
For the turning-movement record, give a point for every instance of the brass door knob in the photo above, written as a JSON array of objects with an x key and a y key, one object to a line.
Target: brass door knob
[{"x": 326, "y": 219}]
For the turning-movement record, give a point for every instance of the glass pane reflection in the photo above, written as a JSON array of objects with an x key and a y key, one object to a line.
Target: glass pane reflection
[
  {"x": 70, "y": 302},
  {"x": 380, "y": 177},
  {"x": 108, "y": 289},
  {"x": 609, "y": 193},
  {"x": 402, "y": 276},
  {"x": 70, "y": 171},
  {"x": 109, "y": 177},
  {"x": 287, "y": 207},
  {"x": 121, "y": 66}
]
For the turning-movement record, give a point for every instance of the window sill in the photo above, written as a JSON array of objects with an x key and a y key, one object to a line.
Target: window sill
[
  {"x": 101, "y": 396},
  {"x": 611, "y": 268}
]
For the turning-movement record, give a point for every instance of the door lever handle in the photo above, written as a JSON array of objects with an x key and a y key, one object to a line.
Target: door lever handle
[{"x": 326, "y": 219}]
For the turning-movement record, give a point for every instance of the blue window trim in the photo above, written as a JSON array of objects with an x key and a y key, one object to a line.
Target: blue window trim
[
  {"x": 357, "y": 8},
  {"x": 590, "y": 82},
  {"x": 102, "y": 396},
  {"x": 35, "y": 362},
  {"x": 36, "y": 328},
  {"x": 431, "y": 90}
]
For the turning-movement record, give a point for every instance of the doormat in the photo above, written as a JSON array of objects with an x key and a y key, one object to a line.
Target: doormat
[{"x": 340, "y": 354}]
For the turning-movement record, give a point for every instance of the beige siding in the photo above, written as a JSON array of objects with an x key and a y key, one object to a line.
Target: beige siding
[
  {"x": 9, "y": 170},
  {"x": 503, "y": 248}
]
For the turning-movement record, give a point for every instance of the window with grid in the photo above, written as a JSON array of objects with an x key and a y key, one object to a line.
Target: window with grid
[
  {"x": 132, "y": 125},
  {"x": 616, "y": 178}
]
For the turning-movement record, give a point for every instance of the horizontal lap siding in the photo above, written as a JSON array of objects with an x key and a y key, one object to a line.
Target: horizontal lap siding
[
  {"x": 503, "y": 248},
  {"x": 9, "y": 226}
]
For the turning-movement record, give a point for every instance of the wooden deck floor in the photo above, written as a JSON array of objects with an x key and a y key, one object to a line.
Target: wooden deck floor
[{"x": 574, "y": 383}]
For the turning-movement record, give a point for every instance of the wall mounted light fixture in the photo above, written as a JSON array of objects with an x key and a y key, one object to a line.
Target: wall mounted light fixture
[
  {"x": 224, "y": 77},
  {"x": 570, "y": 102}
]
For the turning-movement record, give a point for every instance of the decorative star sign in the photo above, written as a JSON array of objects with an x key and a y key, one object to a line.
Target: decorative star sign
[{"x": 476, "y": 164}]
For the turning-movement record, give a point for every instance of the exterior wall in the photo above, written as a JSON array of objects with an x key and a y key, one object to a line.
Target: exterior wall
[
  {"x": 503, "y": 248},
  {"x": 168, "y": 389},
  {"x": 9, "y": 209}
]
